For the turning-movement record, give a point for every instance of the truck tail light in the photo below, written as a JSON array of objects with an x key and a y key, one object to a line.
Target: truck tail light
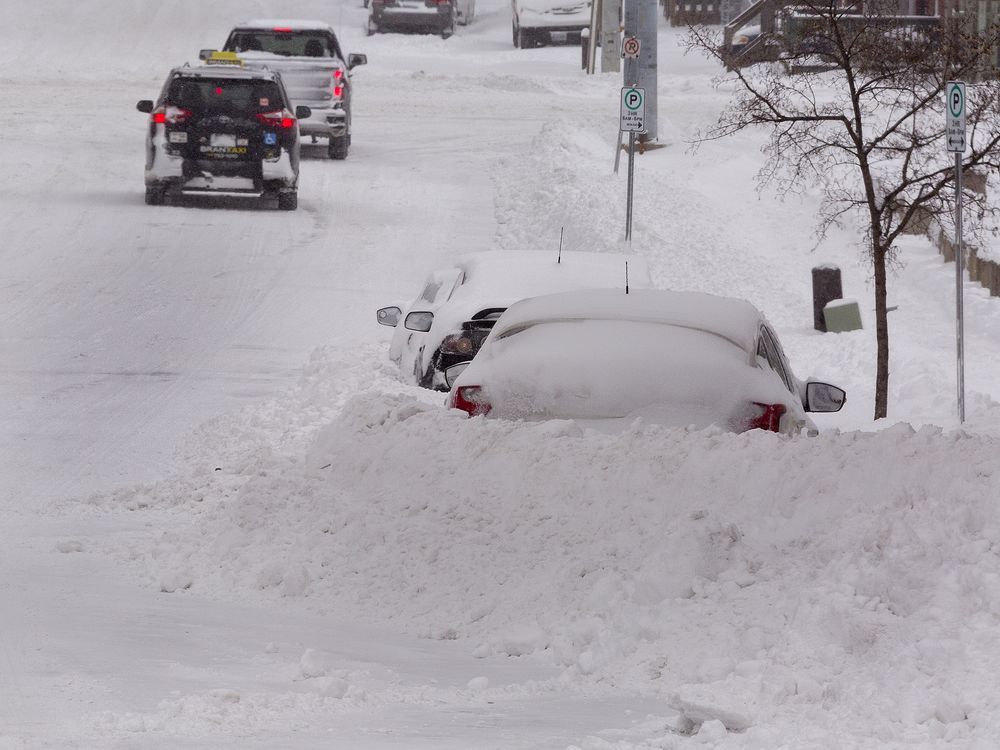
[
  {"x": 470, "y": 399},
  {"x": 279, "y": 118},
  {"x": 768, "y": 417}
]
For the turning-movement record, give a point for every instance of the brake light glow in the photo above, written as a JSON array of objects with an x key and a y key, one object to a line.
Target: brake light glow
[
  {"x": 277, "y": 119},
  {"x": 769, "y": 417},
  {"x": 338, "y": 74},
  {"x": 338, "y": 91},
  {"x": 470, "y": 399},
  {"x": 283, "y": 29},
  {"x": 170, "y": 115}
]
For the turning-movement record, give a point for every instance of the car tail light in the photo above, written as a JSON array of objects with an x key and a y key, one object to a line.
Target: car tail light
[
  {"x": 338, "y": 87},
  {"x": 282, "y": 29},
  {"x": 277, "y": 119},
  {"x": 768, "y": 418},
  {"x": 436, "y": 3},
  {"x": 456, "y": 344},
  {"x": 170, "y": 115},
  {"x": 470, "y": 399}
]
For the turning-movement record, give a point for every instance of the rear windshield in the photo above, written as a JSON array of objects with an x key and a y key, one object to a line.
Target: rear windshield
[
  {"x": 225, "y": 95},
  {"x": 287, "y": 43}
]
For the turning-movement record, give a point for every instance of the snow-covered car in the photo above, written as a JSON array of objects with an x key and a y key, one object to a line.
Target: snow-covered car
[
  {"x": 744, "y": 37},
  {"x": 536, "y": 22},
  {"x": 674, "y": 358},
  {"x": 223, "y": 129},
  {"x": 445, "y": 325},
  {"x": 315, "y": 71},
  {"x": 434, "y": 16}
]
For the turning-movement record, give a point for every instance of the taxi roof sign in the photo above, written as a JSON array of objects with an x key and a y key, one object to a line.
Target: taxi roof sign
[{"x": 223, "y": 58}]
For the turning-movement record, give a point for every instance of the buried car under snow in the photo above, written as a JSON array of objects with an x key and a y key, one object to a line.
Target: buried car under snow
[
  {"x": 445, "y": 326},
  {"x": 674, "y": 358}
]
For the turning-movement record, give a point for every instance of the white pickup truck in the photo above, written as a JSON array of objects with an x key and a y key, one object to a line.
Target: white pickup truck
[{"x": 314, "y": 70}]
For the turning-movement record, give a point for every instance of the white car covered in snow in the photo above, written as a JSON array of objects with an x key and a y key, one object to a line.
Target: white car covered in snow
[
  {"x": 537, "y": 22},
  {"x": 446, "y": 324},
  {"x": 675, "y": 358}
]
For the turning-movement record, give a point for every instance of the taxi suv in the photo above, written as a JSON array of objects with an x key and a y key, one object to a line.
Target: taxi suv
[
  {"x": 680, "y": 359},
  {"x": 224, "y": 130}
]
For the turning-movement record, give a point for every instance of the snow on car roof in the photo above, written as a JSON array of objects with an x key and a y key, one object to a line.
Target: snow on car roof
[
  {"x": 734, "y": 319},
  {"x": 284, "y": 23},
  {"x": 224, "y": 71},
  {"x": 510, "y": 275}
]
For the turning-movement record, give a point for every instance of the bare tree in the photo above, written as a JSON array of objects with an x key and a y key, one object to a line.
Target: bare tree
[{"x": 855, "y": 105}]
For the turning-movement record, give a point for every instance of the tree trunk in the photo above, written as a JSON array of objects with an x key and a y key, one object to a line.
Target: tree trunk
[{"x": 881, "y": 333}]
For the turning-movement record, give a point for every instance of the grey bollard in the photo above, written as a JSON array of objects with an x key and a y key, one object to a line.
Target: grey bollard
[
  {"x": 585, "y": 47},
  {"x": 826, "y": 288}
]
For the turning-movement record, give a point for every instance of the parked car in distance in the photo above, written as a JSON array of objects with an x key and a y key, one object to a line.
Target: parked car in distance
[
  {"x": 431, "y": 16},
  {"x": 315, "y": 70},
  {"x": 222, "y": 129},
  {"x": 538, "y": 22},
  {"x": 445, "y": 325},
  {"x": 675, "y": 358}
]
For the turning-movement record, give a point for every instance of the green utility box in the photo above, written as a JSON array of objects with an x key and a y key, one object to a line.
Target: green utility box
[{"x": 842, "y": 315}]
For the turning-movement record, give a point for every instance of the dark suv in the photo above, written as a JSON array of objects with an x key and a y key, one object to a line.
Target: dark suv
[{"x": 222, "y": 129}]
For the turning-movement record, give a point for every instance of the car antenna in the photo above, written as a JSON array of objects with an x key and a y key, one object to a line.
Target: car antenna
[
  {"x": 626, "y": 277},
  {"x": 561, "y": 230}
]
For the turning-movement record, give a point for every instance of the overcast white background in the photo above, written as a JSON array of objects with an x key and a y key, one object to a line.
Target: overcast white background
[{"x": 226, "y": 523}]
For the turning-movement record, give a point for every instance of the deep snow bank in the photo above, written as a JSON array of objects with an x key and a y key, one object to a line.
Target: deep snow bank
[{"x": 748, "y": 578}]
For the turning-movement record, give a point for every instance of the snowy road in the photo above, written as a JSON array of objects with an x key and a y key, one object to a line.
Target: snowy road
[{"x": 225, "y": 523}]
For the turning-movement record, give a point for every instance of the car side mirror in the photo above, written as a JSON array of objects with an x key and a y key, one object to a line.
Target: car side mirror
[
  {"x": 419, "y": 321},
  {"x": 388, "y": 316},
  {"x": 823, "y": 397},
  {"x": 205, "y": 54},
  {"x": 452, "y": 373},
  {"x": 354, "y": 60},
  {"x": 303, "y": 112},
  {"x": 145, "y": 105}
]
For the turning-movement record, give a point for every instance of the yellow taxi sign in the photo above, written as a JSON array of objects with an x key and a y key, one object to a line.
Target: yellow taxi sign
[{"x": 223, "y": 58}]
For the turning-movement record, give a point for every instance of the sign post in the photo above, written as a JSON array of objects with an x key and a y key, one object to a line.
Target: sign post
[
  {"x": 633, "y": 116},
  {"x": 955, "y": 136}
]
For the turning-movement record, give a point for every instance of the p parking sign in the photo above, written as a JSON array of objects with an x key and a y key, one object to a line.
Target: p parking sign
[
  {"x": 633, "y": 109},
  {"x": 955, "y": 116}
]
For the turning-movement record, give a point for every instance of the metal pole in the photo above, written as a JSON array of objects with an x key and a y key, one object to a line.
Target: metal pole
[
  {"x": 611, "y": 21},
  {"x": 959, "y": 288},
  {"x": 641, "y": 20},
  {"x": 631, "y": 173},
  {"x": 595, "y": 34}
]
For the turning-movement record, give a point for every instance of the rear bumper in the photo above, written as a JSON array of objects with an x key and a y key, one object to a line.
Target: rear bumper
[
  {"x": 571, "y": 22},
  {"x": 439, "y": 17},
  {"x": 326, "y": 122},
  {"x": 167, "y": 170}
]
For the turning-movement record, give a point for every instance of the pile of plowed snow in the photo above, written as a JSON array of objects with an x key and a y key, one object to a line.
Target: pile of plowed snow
[{"x": 766, "y": 576}]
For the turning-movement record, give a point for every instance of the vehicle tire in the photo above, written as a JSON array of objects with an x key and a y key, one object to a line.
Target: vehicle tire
[
  {"x": 338, "y": 147},
  {"x": 288, "y": 200},
  {"x": 449, "y": 29},
  {"x": 372, "y": 29},
  {"x": 525, "y": 39},
  {"x": 154, "y": 196}
]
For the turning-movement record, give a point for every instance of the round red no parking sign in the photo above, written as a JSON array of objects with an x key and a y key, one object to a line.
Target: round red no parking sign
[{"x": 630, "y": 47}]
